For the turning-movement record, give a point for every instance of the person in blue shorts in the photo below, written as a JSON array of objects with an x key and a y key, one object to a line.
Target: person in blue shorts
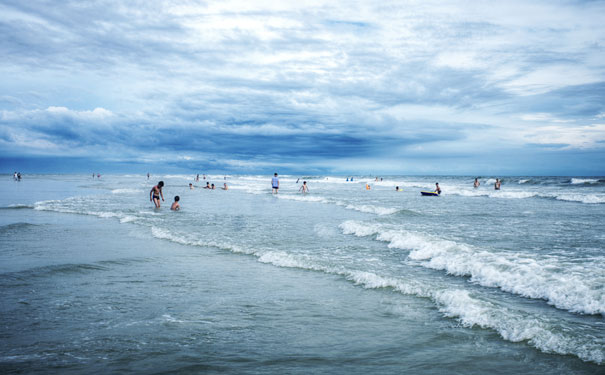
[{"x": 274, "y": 183}]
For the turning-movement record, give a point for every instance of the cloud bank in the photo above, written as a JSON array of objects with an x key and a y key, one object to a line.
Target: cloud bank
[{"x": 342, "y": 87}]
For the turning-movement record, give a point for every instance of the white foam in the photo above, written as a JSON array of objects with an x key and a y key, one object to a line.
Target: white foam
[
  {"x": 583, "y": 198},
  {"x": 372, "y": 209},
  {"x": 126, "y": 191},
  {"x": 303, "y": 198},
  {"x": 471, "y": 311},
  {"x": 454, "y": 303},
  {"x": 562, "y": 284},
  {"x": 577, "y": 181}
]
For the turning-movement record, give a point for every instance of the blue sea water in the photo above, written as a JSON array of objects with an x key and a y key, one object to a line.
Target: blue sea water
[{"x": 343, "y": 280}]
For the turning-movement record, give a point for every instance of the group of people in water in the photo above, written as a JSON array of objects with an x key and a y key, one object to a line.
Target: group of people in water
[
  {"x": 17, "y": 176},
  {"x": 275, "y": 185},
  {"x": 156, "y": 192}
]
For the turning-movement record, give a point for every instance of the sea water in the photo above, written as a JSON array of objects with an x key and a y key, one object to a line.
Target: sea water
[{"x": 343, "y": 280}]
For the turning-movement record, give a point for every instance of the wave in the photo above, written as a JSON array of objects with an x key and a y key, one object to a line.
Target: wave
[
  {"x": 583, "y": 198},
  {"x": 15, "y": 227},
  {"x": 458, "y": 304},
  {"x": 588, "y": 181},
  {"x": 69, "y": 268},
  {"x": 17, "y": 207},
  {"x": 372, "y": 209},
  {"x": 562, "y": 284},
  {"x": 303, "y": 198},
  {"x": 126, "y": 191}
]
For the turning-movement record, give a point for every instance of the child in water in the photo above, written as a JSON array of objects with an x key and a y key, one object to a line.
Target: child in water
[
  {"x": 175, "y": 205},
  {"x": 304, "y": 188}
]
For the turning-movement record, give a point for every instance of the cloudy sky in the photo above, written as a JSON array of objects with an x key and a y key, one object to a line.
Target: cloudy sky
[{"x": 366, "y": 87}]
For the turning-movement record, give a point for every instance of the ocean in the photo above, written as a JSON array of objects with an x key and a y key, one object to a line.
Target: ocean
[{"x": 342, "y": 280}]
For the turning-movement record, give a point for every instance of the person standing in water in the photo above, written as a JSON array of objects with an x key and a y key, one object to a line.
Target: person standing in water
[
  {"x": 304, "y": 188},
  {"x": 274, "y": 183},
  {"x": 156, "y": 193},
  {"x": 497, "y": 184},
  {"x": 225, "y": 187},
  {"x": 437, "y": 188},
  {"x": 148, "y": 176},
  {"x": 476, "y": 183}
]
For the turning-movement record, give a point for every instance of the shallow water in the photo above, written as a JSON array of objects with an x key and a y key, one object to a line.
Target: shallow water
[{"x": 343, "y": 279}]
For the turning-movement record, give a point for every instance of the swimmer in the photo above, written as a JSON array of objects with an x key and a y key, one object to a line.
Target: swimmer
[
  {"x": 347, "y": 179},
  {"x": 368, "y": 187},
  {"x": 396, "y": 188},
  {"x": 207, "y": 185},
  {"x": 147, "y": 176},
  {"x": 274, "y": 184},
  {"x": 197, "y": 177},
  {"x": 190, "y": 186},
  {"x": 156, "y": 193},
  {"x": 304, "y": 188},
  {"x": 497, "y": 184},
  {"x": 225, "y": 187},
  {"x": 437, "y": 188},
  {"x": 212, "y": 187},
  {"x": 476, "y": 183},
  {"x": 175, "y": 205}
]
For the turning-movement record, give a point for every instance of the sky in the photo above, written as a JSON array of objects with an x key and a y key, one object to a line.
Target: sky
[{"x": 314, "y": 87}]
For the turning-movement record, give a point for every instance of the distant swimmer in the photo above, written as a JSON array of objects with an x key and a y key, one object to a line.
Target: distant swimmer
[
  {"x": 274, "y": 183},
  {"x": 15, "y": 176},
  {"x": 304, "y": 188},
  {"x": 175, "y": 205},
  {"x": 190, "y": 186},
  {"x": 207, "y": 185},
  {"x": 18, "y": 176},
  {"x": 298, "y": 179},
  {"x": 147, "y": 175},
  {"x": 156, "y": 193},
  {"x": 396, "y": 188},
  {"x": 225, "y": 187},
  {"x": 347, "y": 179},
  {"x": 368, "y": 186},
  {"x": 93, "y": 176},
  {"x": 98, "y": 175},
  {"x": 476, "y": 183},
  {"x": 437, "y": 188},
  {"x": 197, "y": 177},
  {"x": 351, "y": 179},
  {"x": 212, "y": 187},
  {"x": 497, "y": 184}
]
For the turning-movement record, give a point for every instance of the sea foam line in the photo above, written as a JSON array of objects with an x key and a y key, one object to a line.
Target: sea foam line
[
  {"x": 453, "y": 303},
  {"x": 571, "y": 288}
]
